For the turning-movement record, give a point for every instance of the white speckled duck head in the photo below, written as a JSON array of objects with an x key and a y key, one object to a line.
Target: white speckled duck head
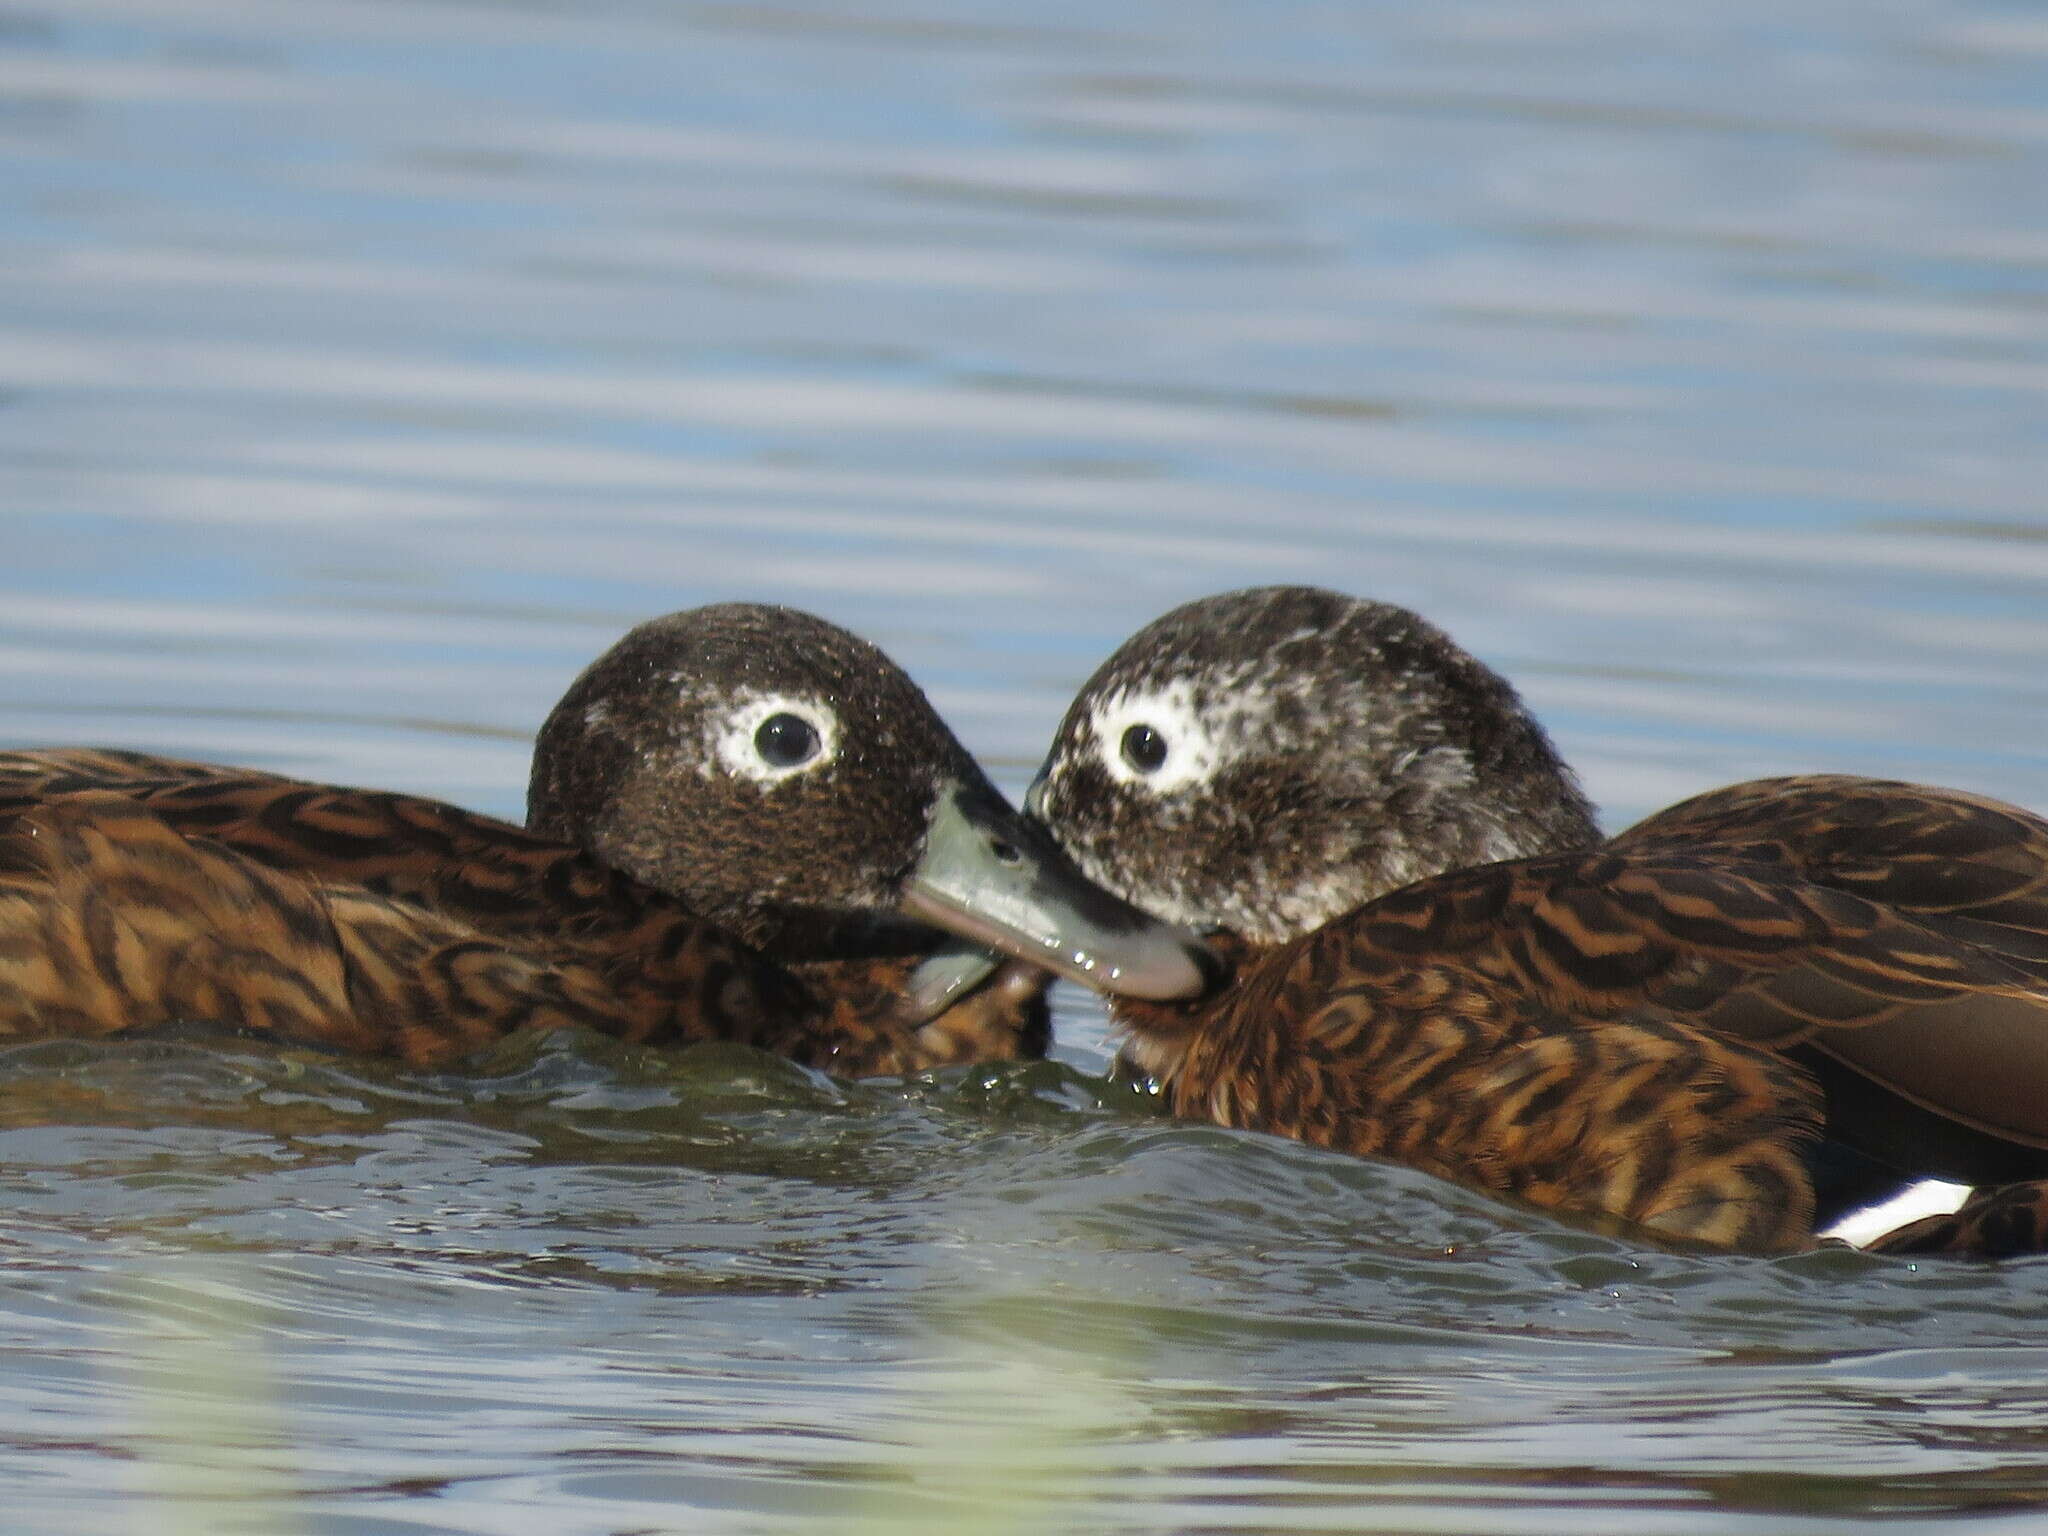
[{"x": 1266, "y": 760}]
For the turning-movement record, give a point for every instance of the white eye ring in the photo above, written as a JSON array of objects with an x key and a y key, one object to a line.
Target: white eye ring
[
  {"x": 733, "y": 737},
  {"x": 1192, "y": 752}
]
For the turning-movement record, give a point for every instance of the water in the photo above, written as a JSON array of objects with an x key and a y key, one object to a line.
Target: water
[{"x": 366, "y": 366}]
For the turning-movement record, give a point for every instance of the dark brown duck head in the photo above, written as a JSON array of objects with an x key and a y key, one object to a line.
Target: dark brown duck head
[
  {"x": 787, "y": 780},
  {"x": 1266, "y": 760}
]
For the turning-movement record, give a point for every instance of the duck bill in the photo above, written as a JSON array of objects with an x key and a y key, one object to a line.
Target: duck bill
[{"x": 991, "y": 876}]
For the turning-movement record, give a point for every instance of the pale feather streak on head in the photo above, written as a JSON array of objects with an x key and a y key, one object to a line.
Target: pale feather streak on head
[
  {"x": 730, "y": 736},
  {"x": 1196, "y": 732}
]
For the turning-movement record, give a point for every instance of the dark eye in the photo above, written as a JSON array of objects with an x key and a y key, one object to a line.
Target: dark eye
[
  {"x": 786, "y": 741},
  {"x": 1144, "y": 748}
]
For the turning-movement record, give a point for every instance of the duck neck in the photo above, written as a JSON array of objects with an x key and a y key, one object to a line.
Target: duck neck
[
  {"x": 1163, "y": 1039},
  {"x": 800, "y": 935},
  {"x": 1531, "y": 809}
]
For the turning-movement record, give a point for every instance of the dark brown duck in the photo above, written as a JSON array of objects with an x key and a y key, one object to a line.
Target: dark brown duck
[
  {"x": 742, "y": 824},
  {"x": 1441, "y": 961}
]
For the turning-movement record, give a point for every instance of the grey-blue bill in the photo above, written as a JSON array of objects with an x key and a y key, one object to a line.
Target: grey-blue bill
[{"x": 993, "y": 877}]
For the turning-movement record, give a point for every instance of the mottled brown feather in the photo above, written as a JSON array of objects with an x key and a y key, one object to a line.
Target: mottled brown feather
[
  {"x": 1968, "y": 877},
  {"x": 1488, "y": 1058}
]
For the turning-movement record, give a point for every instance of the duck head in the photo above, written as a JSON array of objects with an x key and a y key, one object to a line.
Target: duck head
[
  {"x": 1266, "y": 760},
  {"x": 785, "y": 779}
]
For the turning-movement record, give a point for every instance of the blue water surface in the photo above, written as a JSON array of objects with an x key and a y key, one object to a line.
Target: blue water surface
[{"x": 366, "y": 366}]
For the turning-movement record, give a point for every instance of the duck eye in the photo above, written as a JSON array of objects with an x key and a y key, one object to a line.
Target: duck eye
[
  {"x": 1144, "y": 748},
  {"x": 786, "y": 741}
]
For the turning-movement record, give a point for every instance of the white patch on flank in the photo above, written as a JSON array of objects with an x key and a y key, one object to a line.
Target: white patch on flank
[
  {"x": 1198, "y": 742},
  {"x": 1930, "y": 1197},
  {"x": 729, "y": 735},
  {"x": 598, "y": 715}
]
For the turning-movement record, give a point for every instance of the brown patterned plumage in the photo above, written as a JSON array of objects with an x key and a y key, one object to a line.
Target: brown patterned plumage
[
  {"x": 1440, "y": 962},
  {"x": 137, "y": 890}
]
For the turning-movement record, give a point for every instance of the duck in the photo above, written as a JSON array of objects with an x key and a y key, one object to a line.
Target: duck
[
  {"x": 743, "y": 823},
  {"x": 1727, "y": 1025}
]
